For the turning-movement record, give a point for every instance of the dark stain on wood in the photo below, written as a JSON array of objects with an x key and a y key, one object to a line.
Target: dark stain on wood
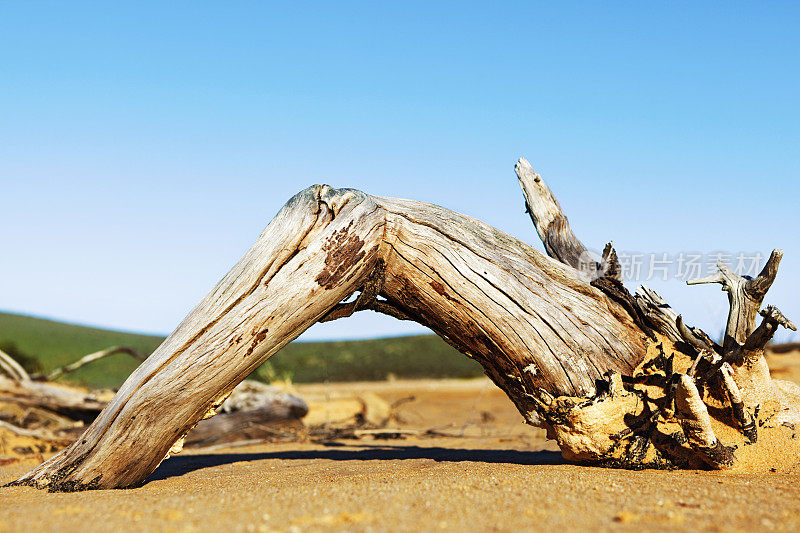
[
  {"x": 258, "y": 338},
  {"x": 439, "y": 288},
  {"x": 342, "y": 252}
]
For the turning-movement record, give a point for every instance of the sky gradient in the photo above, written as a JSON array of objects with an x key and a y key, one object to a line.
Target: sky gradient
[{"x": 144, "y": 147}]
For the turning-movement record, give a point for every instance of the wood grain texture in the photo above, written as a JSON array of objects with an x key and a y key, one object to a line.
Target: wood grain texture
[
  {"x": 616, "y": 379},
  {"x": 745, "y": 297},
  {"x": 550, "y": 221},
  {"x": 735, "y": 372},
  {"x": 534, "y": 324},
  {"x": 504, "y": 303}
]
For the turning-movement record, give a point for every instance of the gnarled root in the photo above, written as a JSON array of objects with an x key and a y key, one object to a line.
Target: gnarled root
[{"x": 691, "y": 393}]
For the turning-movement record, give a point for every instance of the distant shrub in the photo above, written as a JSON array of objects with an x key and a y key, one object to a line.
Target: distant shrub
[
  {"x": 268, "y": 374},
  {"x": 29, "y": 362}
]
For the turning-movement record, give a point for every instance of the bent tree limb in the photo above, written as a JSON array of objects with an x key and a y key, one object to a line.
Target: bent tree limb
[{"x": 553, "y": 340}]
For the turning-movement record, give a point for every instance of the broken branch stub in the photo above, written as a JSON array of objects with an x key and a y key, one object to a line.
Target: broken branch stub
[
  {"x": 550, "y": 221},
  {"x": 581, "y": 356},
  {"x": 745, "y": 296}
]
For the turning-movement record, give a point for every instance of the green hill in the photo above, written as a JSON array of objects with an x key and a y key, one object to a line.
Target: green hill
[{"x": 55, "y": 344}]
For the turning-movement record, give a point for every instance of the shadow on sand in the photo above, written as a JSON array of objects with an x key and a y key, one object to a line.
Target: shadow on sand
[{"x": 179, "y": 465}]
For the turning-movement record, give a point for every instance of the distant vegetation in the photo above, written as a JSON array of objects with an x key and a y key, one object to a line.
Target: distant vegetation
[
  {"x": 29, "y": 363},
  {"x": 55, "y": 344},
  {"x": 403, "y": 357},
  {"x": 43, "y": 345}
]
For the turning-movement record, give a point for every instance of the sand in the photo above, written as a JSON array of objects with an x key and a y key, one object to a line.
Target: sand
[{"x": 490, "y": 473}]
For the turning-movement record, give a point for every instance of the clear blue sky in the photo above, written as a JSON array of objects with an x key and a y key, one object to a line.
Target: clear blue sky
[{"x": 144, "y": 147}]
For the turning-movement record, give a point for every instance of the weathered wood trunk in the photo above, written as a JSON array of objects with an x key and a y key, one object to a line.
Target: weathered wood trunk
[{"x": 542, "y": 329}]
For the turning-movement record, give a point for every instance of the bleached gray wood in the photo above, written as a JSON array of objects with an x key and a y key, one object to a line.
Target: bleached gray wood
[
  {"x": 773, "y": 317},
  {"x": 249, "y": 395},
  {"x": 491, "y": 295},
  {"x": 658, "y": 312},
  {"x": 55, "y": 398},
  {"x": 253, "y": 410},
  {"x": 535, "y": 324},
  {"x": 745, "y": 296},
  {"x": 553, "y": 341},
  {"x": 550, "y": 221}
]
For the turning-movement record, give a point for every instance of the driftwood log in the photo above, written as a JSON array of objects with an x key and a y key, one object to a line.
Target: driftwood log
[
  {"x": 254, "y": 411},
  {"x": 73, "y": 403},
  {"x": 38, "y": 417},
  {"x": 617, "y": 379}
]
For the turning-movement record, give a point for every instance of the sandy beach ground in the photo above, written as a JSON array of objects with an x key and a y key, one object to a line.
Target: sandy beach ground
[{"x": 481, "y": 470}]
